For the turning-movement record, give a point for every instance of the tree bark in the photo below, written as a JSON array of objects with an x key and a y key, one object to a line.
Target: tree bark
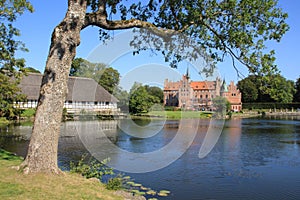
[{"x": 42, "y": 151}]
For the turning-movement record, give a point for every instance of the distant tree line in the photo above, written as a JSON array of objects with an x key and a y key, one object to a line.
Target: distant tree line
[{"x": 275, "y": 89}]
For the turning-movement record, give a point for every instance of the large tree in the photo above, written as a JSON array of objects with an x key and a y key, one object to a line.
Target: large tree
[
  {"x": 280, "y": 89},
  {"x": 248, "y": 89},
  {"x": 107, "y": 77},
  {"x": 156, "y": 92},
  {"x": 109, "y": 80},
  {"x": 11, "y": 68},
  {"x": 9, "y": 11},
  {"x": 9, "y": 94},
  {"x": 237, "y": 28},
  {"x": 141, "y": 99}
]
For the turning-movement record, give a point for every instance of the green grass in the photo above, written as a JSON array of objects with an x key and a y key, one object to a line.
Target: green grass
[
  {"x": 15, "y": 185},
  {"x": 180, "y": 114}
]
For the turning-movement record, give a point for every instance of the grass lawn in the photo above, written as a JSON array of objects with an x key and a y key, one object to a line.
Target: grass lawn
[
  {"x": 180, "y": 114},
  {"x": 15, "y": 185}
]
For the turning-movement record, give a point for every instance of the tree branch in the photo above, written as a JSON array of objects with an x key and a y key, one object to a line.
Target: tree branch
[
  {"x": 226, "y": 48},
  {"x": 100, "y": 20}
]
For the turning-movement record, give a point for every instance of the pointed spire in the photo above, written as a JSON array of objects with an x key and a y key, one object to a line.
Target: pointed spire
[
  {"x": 224, "y": 86},
  {"x": 187, "y": 73}
]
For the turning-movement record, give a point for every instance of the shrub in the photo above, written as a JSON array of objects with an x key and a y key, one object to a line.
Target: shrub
[
  {"x": 271, "y": 105},
  {"x": 95, "y": 169},
  {"x": 115, "y": 183},
  {"x": 28, "y": 113},
  {"x": 3, "y": 120}
]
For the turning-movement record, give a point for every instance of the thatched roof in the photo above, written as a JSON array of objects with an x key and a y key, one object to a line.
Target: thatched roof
[{"x": 79, "y": 89}]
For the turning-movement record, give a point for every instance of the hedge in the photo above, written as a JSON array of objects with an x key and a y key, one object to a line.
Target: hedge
[{"x": 251, "y": 106}]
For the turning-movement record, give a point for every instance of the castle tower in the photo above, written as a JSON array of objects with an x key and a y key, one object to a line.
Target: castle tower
[
  {"x": 224, "y": 89},
  {"x": 187, "y": 74},
  {"x": 185, "y": 92}
]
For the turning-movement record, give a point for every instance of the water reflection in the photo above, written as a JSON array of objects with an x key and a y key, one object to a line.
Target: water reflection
[
  {"x": 71, "y": 146},
  {"x": 133, "y": 155},
  {"x": 15, "y": 138}
]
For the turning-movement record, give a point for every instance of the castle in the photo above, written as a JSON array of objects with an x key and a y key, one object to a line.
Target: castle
[{"x": 198, "y": 95}]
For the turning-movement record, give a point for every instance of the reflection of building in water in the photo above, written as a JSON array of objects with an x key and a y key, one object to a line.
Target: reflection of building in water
[
  {"x": 199, "y": 94},
  {"x": 172, "y": 125},
  {"x": 73, "y": 133},
  {"x": 108, "y": 124},
  {"x": 233, "y": 133}
]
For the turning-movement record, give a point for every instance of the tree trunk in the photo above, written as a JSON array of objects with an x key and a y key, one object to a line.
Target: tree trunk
[{"x": 42, "y": 152}]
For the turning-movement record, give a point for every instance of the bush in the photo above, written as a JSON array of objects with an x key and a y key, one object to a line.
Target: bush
[
  {"x": 3, "y": 120},
  {"x": 115, "y": 183},
  {"x": 95, "y": 169},
  {"x": 252, "y": 106},
  {"x": 28, "y": 113}
]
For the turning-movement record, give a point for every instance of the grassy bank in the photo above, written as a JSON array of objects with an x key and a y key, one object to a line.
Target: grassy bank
[{"x": 15, "y": 185}]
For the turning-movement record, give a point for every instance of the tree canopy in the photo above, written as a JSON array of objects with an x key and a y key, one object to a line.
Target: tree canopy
[
  {"x": 141, "y": 99},
  {"x": 236, "y": 28},
  {"x": 248, "y": 89},
  {"x": 9, "y": 94},
  {"x": 273, "y": 88},
  {"x": 297, "y": 93},
  {"x": 11, "y": 68},
  {"x": 32, "y": 70},
  {"x": 156, "y": 92},
  {"x": 107, "y": 77},
  {"x": 9, "y": 11}
]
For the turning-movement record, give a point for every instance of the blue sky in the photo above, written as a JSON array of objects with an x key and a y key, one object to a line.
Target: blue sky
[{"x": 36, "y": 29}]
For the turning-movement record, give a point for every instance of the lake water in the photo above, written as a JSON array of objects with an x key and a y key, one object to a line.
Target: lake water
[{"x": 252, "y": 159}]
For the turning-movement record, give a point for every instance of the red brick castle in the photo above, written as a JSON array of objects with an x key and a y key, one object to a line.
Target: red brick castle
[{"x": 198, "y": 95}]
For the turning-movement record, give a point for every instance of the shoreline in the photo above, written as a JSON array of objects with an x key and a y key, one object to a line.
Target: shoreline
[{"x": 176, "y": 115}]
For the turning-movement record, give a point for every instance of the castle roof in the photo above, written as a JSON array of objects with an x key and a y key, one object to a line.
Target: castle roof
[
  {"x": 172, "y": 85},
  {"x": 202, "y": 85}
]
